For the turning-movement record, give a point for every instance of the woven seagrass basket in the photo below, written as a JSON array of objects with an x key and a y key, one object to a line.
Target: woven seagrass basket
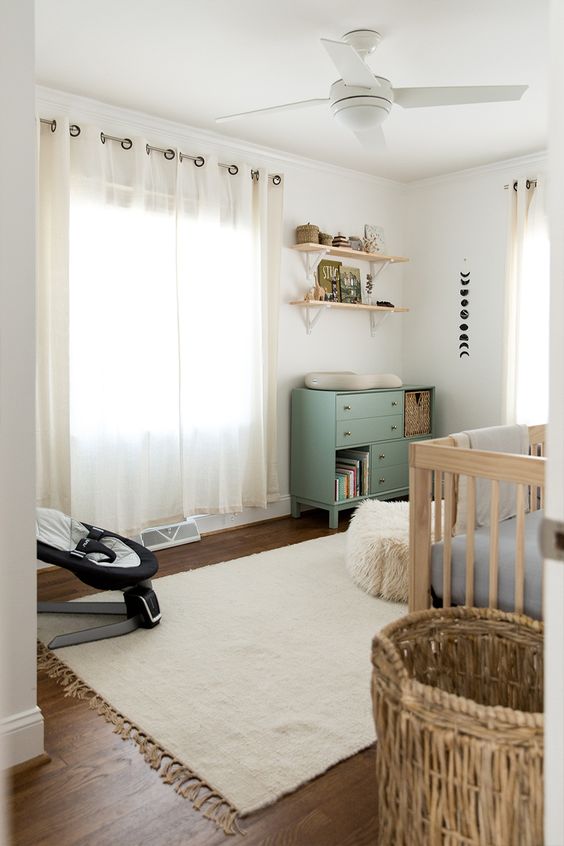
[
  {"x": 308, "y": 233},
  {"x": 458, "y": 702},
  {"x": 417, "y": 413}
]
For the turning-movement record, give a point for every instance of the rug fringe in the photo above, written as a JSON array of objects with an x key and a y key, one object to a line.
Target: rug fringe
[{"x": 172, "y": 771}]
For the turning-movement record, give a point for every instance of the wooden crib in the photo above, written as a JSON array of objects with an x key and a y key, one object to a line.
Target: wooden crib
[{"x": 435, "y": 469}]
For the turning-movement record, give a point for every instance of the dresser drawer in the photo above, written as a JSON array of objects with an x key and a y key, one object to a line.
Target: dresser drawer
[
  {"x": 388, "y": 454},
  {"x": 354, "y": 406},
  {"x": 389, "y": 478},
  {"x": 358, "y": 432}
]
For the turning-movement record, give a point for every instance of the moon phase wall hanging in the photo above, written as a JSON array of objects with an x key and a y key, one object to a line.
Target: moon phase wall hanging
[{"x": 463, "y": 338}]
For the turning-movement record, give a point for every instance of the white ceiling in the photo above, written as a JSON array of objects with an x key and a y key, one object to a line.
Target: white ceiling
[{"x": 192, "y": 61}]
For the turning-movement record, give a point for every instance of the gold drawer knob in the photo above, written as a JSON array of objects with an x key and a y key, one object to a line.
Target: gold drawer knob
[
  {"x": 347, "y": 407},
  {"x": 347, "y": 434},
  {"x": 382, "y": 455},
  {"x": 381, "y": 481}
]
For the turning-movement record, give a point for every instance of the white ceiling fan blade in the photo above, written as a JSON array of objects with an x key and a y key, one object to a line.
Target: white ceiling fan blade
[
  {"x": 457, "y": 95},
  {"x": 353, "y": 70},
  {"x": 283, "y": 107},
  {"x": 372, "y": 139}
]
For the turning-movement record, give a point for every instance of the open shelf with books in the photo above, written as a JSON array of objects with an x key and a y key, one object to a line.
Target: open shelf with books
[{"x": 327, "y": 290}]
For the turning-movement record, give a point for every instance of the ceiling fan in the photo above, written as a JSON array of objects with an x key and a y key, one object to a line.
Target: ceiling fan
[{"x": 361, "y": 100}]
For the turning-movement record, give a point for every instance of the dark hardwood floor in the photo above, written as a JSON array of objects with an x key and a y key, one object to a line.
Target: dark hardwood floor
[{"x": 98, "y": 791}]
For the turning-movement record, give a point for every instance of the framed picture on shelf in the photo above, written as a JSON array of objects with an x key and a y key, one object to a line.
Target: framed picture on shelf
[
  {"x": 328, "y": 277},
  {"x": 374, "y": 240},
  {"x": 351, "y": 291}
]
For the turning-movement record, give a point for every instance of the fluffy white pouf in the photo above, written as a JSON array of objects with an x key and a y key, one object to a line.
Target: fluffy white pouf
[{"x": 377, "y": 548}]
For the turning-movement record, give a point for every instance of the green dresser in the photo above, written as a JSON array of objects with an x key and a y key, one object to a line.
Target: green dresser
[{"x": 350, "y": 446}]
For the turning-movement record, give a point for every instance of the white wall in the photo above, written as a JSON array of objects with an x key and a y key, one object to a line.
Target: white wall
[
  {"x": 450, "y": 219},
  {"x": 339, "y": 340},
  {"x": 22, "y": 723}
]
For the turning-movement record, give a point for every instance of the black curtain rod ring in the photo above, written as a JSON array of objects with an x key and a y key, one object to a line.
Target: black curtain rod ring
[
  {"x": 125, "y": 143},
  {"x": 74, "y": 130},
  {"x": 199, "y": 161},
  {"x": 169, "y": 154},
  {"x": 276, "y": 179},
  {"x": 53, "y": 125},
  {"x": 233, "y": 170}
]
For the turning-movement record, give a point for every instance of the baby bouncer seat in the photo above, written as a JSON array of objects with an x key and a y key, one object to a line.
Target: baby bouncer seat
[{"x": 103, "y": 560}]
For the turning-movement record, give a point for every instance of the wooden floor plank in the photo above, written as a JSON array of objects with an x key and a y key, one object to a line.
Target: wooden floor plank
[{"x": 98, "y": 791}]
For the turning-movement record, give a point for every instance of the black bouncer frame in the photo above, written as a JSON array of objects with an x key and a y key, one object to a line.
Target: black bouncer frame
[{"x": 140, "y": 606}]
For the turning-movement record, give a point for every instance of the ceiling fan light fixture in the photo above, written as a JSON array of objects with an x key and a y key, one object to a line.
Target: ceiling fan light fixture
[
  {"x": 361, "y": 108},
  {"x": 361, "y": 116}
]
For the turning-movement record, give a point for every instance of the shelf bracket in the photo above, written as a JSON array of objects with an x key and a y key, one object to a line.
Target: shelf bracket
[
  {"x": 376, "y": 268},
  {"x": 376, "y": 320},
  {"x": 311, "y": 321},
  {"x": 312, "y": 261}
]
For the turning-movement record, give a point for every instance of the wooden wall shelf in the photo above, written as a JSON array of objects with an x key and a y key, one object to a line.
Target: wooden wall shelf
[
  {"x": 346, "y": 252},
  {"x": 377, "y": 313}
]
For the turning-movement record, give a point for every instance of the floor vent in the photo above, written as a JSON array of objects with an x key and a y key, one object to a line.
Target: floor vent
[{"x": 159, "y": 537}]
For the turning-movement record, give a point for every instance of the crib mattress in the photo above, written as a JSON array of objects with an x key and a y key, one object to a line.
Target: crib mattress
[{"x": 506, "y": 584}]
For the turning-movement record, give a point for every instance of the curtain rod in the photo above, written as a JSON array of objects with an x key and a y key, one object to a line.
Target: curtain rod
[
  {"x": 168, "y": 152},
  {"x": 530, "y": 183}
]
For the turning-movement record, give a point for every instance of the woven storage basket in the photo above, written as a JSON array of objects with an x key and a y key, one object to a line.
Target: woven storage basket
[
  {"x": 458, "y": 701},
  {"x": 307, "y": 234},
  {"x": 417, "y": 413}
]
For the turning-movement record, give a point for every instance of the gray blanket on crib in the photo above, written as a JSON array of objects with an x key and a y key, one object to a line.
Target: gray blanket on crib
[{"x": 506, "y": 583}]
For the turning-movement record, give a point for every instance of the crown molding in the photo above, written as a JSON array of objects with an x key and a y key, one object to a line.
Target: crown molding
[
  {"x": 534, "y": 162},
  {"x": 118, "y": 119}
]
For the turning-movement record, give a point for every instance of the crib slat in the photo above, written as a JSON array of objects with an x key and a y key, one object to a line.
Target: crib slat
[
  {"x": 494, "y": 543},
  {"x": 438, "y": 493},
  {"x": 520, "y": 550},
  {"x": 447, "y": 541},
  {"x": 470, "y": 524}
]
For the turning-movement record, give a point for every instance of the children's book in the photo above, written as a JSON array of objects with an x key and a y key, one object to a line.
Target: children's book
[{"x": 328, "y": 277}]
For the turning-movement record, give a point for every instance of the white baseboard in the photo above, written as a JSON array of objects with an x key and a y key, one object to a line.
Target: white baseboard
[
  {"x": 21, "y": 737},
  {"x": 217, "y": 522}
]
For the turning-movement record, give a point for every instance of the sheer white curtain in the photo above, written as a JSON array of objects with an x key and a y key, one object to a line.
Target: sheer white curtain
[
  {"x": 527, "y": 306},
  {"x": 171, "y": 365}
]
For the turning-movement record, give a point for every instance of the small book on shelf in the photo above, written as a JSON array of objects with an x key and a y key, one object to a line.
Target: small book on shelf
[
  {"x": 328, "y": 276},
  {"x": 363, "y": 457}
]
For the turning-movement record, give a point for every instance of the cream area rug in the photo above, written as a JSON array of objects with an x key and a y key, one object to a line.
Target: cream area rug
[{"x": 256, "y": 680}]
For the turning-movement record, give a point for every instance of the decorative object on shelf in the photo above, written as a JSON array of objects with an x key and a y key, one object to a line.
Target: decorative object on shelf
[
  {"x": 463, "y": 340},
  {"x": 356, "y": 242},
  {"x": 325, "y": 239},
  {"x": 308, "y": 233},
  {"x": 374, "y": 241},
  {"x": 350, "y": 284},
  {"x": 385, "y": 303},
  {"x": 341, "y": 241},
  {"x": 328, "y": 276},
  {"x": 368, "y": 288}
]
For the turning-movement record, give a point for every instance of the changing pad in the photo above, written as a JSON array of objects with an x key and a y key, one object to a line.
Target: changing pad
[{"x": 347, "y": 380}]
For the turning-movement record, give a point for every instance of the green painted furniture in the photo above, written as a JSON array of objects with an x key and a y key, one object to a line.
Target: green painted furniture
[{"x": 323, "y": 422}]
